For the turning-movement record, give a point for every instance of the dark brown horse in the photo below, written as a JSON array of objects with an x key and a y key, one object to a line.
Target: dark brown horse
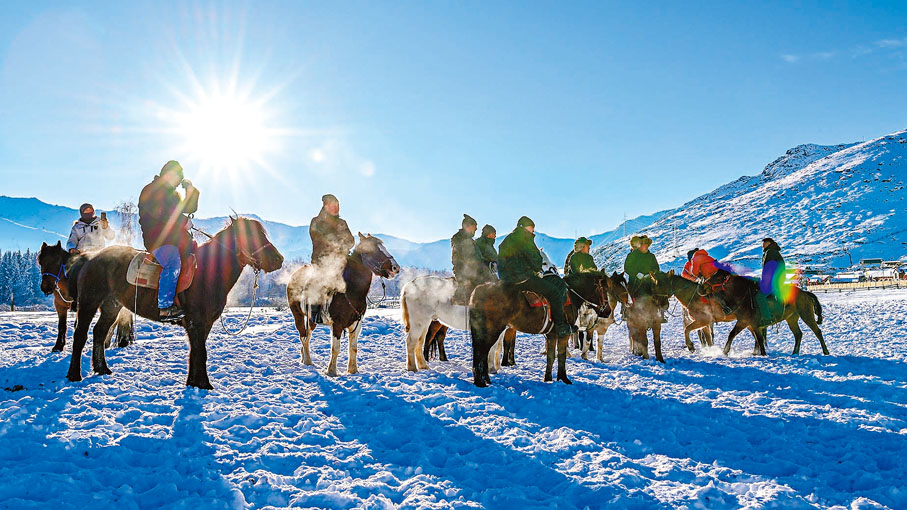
[
  {"x": 59, "y": 269},
  {"x": 644, "y": 314},
  {"x": 102, "y": 284},
  {"x": 495, "y": 306},
  {"x": 346, "y": 308}
]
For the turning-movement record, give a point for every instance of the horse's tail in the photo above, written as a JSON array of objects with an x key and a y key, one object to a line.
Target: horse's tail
[
  {"x": 405, "y": 313},
  {"x": 817, "y": 306}
]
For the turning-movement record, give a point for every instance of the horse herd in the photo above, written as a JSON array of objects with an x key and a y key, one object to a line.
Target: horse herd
[{"x": 97, "y": 282}]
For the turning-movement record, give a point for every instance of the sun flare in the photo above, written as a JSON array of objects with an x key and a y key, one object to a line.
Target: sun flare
[{"x": 225, "y": 132}]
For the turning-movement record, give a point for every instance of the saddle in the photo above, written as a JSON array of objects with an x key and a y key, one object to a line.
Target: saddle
[
  {"x": 145, "y": 272},
  {"x": 535, "y": 300}
]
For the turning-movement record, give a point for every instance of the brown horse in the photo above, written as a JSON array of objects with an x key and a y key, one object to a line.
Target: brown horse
[
  {"x": 346, "y": 308},
  {"x": 643, "y": 315},
  {"x": 102, "y": 284},
  {"x": 740, "y": 294},
  {"x": 495, "y": 306},
  {"x": 59, "y": 268}
]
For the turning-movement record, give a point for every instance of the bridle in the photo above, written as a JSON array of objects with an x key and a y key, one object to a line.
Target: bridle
[
  {"x": 251, "y": 259},
  {"x": 60, "y": 274}
]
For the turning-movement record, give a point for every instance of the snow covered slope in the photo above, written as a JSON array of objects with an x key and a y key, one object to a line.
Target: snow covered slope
[{"x": 820, "y": 203}]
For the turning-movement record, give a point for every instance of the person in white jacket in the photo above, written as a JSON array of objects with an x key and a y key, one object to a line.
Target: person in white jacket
[{"x": 89, "y": 232}]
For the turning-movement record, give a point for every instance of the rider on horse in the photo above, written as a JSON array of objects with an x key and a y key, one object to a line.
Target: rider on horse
[
  {"x": 519, "y": 264},
  {"x": 466, "y": 260},
  {"x": 165, "y": 230},
  {"x": 579, "y": 260},
  {"x": 773, "y": 277},
  {"x": 331, "y": 245},
  {"x": 710, "y": 274},
  {"x": 487, "y": 252},
  {"x": 639, "y": 264},
  {"x": 89, "y": 232}
]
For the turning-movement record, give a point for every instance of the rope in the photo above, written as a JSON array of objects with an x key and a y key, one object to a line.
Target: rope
[
  {"x": 383, "y": 297},
  {"x": 249, "y": 315}
]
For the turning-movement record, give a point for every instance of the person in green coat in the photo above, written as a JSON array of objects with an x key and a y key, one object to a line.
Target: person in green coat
[
  {"x": 487, "y": 252},
  {"x": 519, "y": 264},
  {"x": 579, "y": 260},
  {"x": 639, "y": 264}
]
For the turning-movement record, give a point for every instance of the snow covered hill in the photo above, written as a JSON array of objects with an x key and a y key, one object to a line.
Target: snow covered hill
[{"x": 825, "y": 205}]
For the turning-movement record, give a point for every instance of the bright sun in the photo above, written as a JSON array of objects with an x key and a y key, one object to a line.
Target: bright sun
[{"x": 225, "y": 132}]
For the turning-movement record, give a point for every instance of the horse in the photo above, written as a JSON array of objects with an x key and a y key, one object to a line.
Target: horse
[
  {"x": 102, "y": 284},
  {"x": 617, "y": 292},
  {"x": 498, "y": 305},
  {"x": 347, "y": 308},
  {"x": 428, "y": 311},
  {"x": 705, "y": 312},
  {"x": 645, "y": 314},
  {"x": 59, "y": 269}
]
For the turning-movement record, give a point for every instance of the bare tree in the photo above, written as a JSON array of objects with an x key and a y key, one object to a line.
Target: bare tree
[{"x": 127, "y": 212}]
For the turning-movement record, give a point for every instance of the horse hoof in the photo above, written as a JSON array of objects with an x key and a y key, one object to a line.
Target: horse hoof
[
  {"x": 103, "y": 371},
  {"x": 548, "y": 378},
  {"x": 57, "y": 349},
  {"x": 74, "y": 377},
  {"x": 352, "y": 370},
  {"x": 480, "y": 383},
  {"x": 205, "y": 385},
  {"x": 660, "y": 360},
  {"x": 564, "y": 379},
  {"x": 332, "y": 373}
]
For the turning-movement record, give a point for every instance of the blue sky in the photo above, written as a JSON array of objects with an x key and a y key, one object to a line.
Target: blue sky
[{"x": 414, "y": 112}]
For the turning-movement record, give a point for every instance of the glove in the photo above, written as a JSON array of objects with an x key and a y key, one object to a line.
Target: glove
[
  {"x": 640, "y": 276},
  {"x": 186, "y": 183}
]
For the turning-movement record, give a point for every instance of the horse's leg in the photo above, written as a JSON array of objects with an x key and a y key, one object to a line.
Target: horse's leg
[
  {"x": 336, "y": 333},
  {"x": 759, "y": 346},
  {"x": 440, "y": 336},
  {"x": 562, "y": 360},
  {"x": 415, "y": 339},
  {"x": 198, "y": 354},
  {"x": 738, "y": 327},
  {"x": 590, "y": 335},
  {"x": 795, "y": 329},
  {"x": 125, "y": 336},
  {"x": 419, "y": 351},
  {"x": 686, "y": 336},
  {"x": 494, "y": 355},
  {"x": 62, "y": 312},
  {"x": 426, "y": 340},
  {"x": 80, "y": 336},
  {"x": 305, "y": 334},
  {"x": 550, "y": 352},
  {"x": 810, "y": 321},
  {"x": 353, "y": 333},
  {"x": 509, "y": 348},
  {"x": 601, "y": 342},
  {"x": 709, "y": 334},
  {"x": 101, "y": 336},
  {"x": 656, "y": 339},
  {"x": 482, "y": 341}
]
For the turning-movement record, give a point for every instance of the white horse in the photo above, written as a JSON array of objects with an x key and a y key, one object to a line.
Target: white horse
[{"x": 427, "y": 299}]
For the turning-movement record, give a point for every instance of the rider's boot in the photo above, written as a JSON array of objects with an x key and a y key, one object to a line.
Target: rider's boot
[{"x": 172, "y": 313}]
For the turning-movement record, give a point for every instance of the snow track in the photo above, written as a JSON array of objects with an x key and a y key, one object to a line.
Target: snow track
[{"x": 704, "y": 431}]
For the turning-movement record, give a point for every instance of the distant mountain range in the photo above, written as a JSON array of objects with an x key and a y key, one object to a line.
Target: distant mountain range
[
  {"x": 27, "y": 222},
  {"x": 825, "y": 205}
]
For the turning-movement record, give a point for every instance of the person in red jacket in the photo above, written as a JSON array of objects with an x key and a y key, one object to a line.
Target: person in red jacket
[
  {"x": 688, "y": 267},
  {"x": 703, "y": 265},
  {"x": 702, "y": 268}
]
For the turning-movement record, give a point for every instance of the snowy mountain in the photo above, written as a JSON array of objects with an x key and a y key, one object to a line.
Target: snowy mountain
[
  {"x": 825, "y": 205},
  {"x": 27, "y": 222}
]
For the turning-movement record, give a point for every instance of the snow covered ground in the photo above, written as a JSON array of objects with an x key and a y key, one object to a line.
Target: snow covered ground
[{"x": 704, "y": 431}]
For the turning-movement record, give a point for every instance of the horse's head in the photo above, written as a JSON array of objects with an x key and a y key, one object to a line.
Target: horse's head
[
  {"x": 52, "y": 261},
  {"x": 253, "y": 248},
  {"x": 663, "y": 285},
  {"x": 376, "y": 257},
  {"x": 617, "y": 287}
]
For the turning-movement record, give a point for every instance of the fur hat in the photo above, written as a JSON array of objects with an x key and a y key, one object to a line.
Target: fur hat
[
  {"x": 582, "y": 240},
  {"x": 469, "y": 221},
  {"x": 172, "y": 166},
  {"x": 488, "y": 229},
  {"x": 524, "y": 221},
  {"x": 328, "y": 198},
  {"x": 645, "y": 241},
  {"x": 85, "y": 206}
]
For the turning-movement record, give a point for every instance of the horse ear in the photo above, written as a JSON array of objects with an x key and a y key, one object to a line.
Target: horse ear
[
  {"x": 671, "y": 273},
  {"x": 59, "y": 245},
  {"x": 43, "y": 245},
  {"x": 361, "y": 237}
]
